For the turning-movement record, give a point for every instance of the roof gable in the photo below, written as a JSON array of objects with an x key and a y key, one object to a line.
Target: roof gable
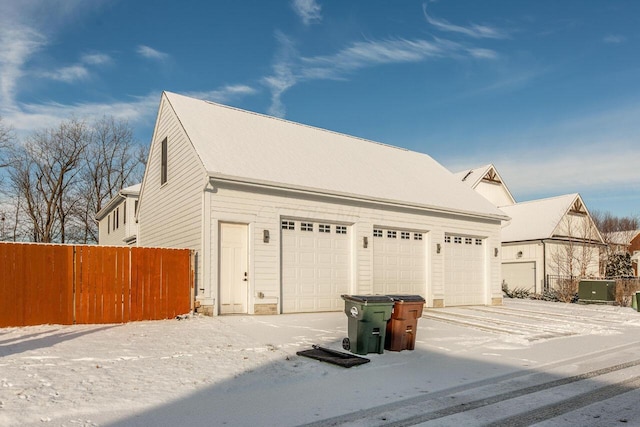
[
  {"x": 260, "y": 149},
  {"x": 487, "y": 181},
  {"x": 559, "y": 217}
]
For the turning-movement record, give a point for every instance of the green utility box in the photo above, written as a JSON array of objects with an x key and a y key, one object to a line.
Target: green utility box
[
  {"x": 368, "y": 316},
  {"x": 597, "y": 291}
]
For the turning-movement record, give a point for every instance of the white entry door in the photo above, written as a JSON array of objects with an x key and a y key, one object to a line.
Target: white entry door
[{"x": 234, "y": 280}]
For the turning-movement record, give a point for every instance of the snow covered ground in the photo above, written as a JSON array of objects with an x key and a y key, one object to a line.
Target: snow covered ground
[{"x": 524, "y": 363}]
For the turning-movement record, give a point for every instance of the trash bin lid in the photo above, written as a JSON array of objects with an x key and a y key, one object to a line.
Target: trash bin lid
[
  {"x": 368, "y": 298},
  {"x": 407, "y": 298}
]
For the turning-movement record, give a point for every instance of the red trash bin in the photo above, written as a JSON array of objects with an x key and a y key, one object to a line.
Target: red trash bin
[{"x": 401, "y": 328}]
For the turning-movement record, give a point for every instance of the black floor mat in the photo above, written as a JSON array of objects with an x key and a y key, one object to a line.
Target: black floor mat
[{"x": 346, "y": 360}]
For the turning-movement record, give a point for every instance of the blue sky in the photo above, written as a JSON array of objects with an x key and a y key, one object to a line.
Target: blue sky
[{"x": 548, "y": 91}]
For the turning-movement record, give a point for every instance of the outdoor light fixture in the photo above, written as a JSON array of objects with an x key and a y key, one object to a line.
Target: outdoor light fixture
[
  {"x": 365, "y": 242},
  {"x": 519, "y": 254},
  {"x": 265, "y": 236},
  {"x": 438, "y": 247},
  {"x": 495, "y": 252}
]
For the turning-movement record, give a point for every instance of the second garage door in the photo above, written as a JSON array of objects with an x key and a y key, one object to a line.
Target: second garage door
[
  {"x": 464, "y": 275},
  {"x": 316, "y": 265},
  {"x": 399, "y": 262}
]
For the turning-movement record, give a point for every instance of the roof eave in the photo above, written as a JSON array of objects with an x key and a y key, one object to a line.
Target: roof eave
[{"x": 348, "y": 196}]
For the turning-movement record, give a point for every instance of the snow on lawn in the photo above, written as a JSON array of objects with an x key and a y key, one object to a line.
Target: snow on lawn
[{"x": 243, "y": 370}]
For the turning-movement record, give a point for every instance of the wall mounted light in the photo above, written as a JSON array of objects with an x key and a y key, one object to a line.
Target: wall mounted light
[
  {"x": 519, "y": 254},
  {"x": 365, "y": 242},
  {"x": 438, "y": 248},
  {"x": 495, "y": 252},
  {"x": 265, "y": 236}
]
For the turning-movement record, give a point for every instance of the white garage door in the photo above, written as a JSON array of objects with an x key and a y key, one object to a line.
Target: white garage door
[
  {"x": 519, "y": 275},
  {"x": 399, "y": 262},
  {"x": 464, "y": 275},
  {"x": 316, "y": 265}
]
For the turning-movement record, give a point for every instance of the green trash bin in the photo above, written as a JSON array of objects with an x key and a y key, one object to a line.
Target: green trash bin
[
  {"x": 368, "y": 316},
  {"x": 636, "y": 300}
]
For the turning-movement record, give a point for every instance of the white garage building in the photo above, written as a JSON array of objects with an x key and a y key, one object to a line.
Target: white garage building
[{"x": 285, "y": 217}]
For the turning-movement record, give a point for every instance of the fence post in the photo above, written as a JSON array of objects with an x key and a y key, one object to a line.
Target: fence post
[{"x": 73, "y": 284}]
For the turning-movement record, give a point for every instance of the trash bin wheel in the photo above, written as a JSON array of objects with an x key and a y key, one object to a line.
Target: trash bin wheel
[{"x": 346, "y": 344}]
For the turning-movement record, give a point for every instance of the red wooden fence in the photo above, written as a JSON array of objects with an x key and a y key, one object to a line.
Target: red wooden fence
[{"x": 62, "y": 284}]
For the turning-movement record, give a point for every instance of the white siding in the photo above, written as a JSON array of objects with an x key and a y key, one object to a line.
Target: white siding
[
  {"x": 263, "y": 209},
  {"x": 527, "y": 252},
  {"x": 170, "y": 215},
  {"x": 110, "y": 234},
  {"x": 495, "y": 192}
]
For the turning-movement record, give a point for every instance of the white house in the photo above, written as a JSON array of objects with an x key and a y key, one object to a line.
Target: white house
[
  {"x": 554, "y": 236},
  {"x": 285, "y": 217},
  {"x": 117, "y": 224}
]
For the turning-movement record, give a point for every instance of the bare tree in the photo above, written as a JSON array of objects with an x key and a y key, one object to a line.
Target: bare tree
[
  {"x": 44, "y": 171},
  {"x": 575, "y": 252},
  {"x": 111, "y": 162}
]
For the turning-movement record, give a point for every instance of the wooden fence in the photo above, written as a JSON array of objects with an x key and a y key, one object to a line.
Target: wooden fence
[{"x": 82, "y": 284}]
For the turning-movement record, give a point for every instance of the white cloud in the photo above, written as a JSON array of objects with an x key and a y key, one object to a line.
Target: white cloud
[
  {"x": 17, "y": 44},
  {"x": 226, "y": 93},
  {"x": 96, "y": 59},
  {"x": 23, "y": 116},
  {"x": 308, "y": 10},
  {"x": 67, "y": 74},
  {"x": 151, "y": 53},
  {"x": 473, "y": 30},
  {"x": 481, "y": 53},
  {"x": 283, "y": 76},
  {"x": 590, "y": 154},
  {"x": 614, "y": 39}
]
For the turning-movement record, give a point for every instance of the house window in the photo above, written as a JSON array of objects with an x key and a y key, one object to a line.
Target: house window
[
  {"x": 457, "y": 239},
  {"x": 377, "y": 232},
  {"x": 135, "y": 207},
  {"x": 108, "y": 224},
  {"x": 324, "y": 228},
  {"x": 163, "y": 165},
  {"x": 288, "y": 225},
  {"x": 341, "y": 229},
  {"x": 124, "y": 212},
  {"x": 117, "y": 218},
  {"x": 405, "y": 235},
  {"x": 391, "y": 234},
  {"x": 306, "y": 226},
  {"x": 447, "y": 239},
  {"x": 417, "y": 236}
]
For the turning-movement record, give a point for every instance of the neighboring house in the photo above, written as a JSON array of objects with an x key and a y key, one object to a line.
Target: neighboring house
[
  {"x": 625, "y": 242},
  {"x": 117, "y": 224},
  {"x": 554, "y": 236},
  {"x": 285, "y": 217}
]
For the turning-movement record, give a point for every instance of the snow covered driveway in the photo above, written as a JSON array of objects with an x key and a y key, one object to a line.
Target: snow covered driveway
[{"x": 524, "y": 363}]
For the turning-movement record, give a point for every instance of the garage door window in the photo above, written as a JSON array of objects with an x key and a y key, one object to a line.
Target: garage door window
[
  {"x": 325, "y": 228},
  {"x": 288, "y": 225},
  {"x": 341, "y": 229},
  {"x": 377, "y": 232},
  {"x": 417, "y": 236},
  {"x": 306, "y": 226}
]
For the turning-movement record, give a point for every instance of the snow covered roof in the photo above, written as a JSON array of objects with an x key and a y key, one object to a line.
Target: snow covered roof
[
  {"x": 472, "y": 177},
  {"x": 536, "y": 219},
  {"x": 255, "y": 148},
  {"x": 622, "y": 237},
  {"x": 133, "y": 190}
]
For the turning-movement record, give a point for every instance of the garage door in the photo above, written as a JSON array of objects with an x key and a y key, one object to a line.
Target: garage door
[
  {"x": 399, "y": 262},
  {"x": 520, "y": 275},
  {"x": 464, "y": 263},
  {"x": 316, "y": 265}
]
